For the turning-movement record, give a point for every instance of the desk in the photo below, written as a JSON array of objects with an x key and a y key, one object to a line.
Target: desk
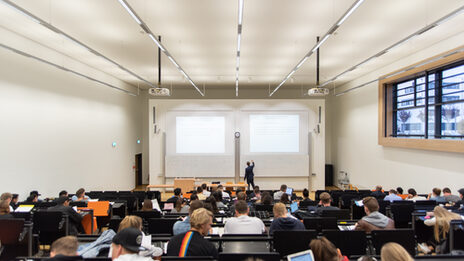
[
  {"x": 237, "y": 185},
  {"x": 88, "y": 222},
  {"x": 189, "y": 184}
]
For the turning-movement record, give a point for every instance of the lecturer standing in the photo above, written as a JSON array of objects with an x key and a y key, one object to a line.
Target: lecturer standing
[{"x": 249, "y": 175}]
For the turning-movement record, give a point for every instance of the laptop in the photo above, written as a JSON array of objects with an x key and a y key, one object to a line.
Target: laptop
[
  {"x": 301, "y": 256},
  {"x": 293, "y": 207},
  {"x": 289, "y": 191}
]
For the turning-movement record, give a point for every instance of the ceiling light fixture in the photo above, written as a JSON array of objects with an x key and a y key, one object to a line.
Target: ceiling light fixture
[
  {"x": 70, "y": 38},
  {"x": 158, "y": 43},
  {"x": 239, "y": 40},
  {"x": 318, "y": 44},
  {"x": 409, "y": 37},
  {"x": 64, "y": 68},
  {"x": 402, "y": 71}
]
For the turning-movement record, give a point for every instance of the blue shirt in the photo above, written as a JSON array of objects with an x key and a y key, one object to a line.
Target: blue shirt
[
  {"x": 181, "y": 227},
  {"x": 392, "y": 197}
]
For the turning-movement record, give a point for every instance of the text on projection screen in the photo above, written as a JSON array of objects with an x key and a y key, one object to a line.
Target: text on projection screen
[
  {"x": 274, "y": 133},
  {"x": 200, "y": 134}
]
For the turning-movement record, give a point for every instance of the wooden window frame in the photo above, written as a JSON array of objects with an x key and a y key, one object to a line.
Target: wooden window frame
[{"x": 385, "y": 108}]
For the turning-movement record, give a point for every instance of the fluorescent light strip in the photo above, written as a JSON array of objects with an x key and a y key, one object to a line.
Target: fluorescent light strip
[
  {"x": 402, "y": 71},
  {"x": 239, "y": 41},
  {"x": 318, "y": 44},
  {"x": 70, "y": 38},
  {"x": 64, "y": 68},
  {"x": 158, "y": 43},
  {"x": 409, "y": 37}
]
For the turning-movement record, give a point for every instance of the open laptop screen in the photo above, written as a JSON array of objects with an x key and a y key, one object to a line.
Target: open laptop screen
[
  {"x": 289, "y": 191},
  {"x": 301, "y": 256}
]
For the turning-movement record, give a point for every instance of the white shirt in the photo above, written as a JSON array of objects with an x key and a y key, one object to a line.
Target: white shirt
[
  {"x": 278, "y": 195},
  {"x": 225, "y": 195},
  {"x": 206, "y": 193},
  {"x": 132, "y": 257},
  {"x": 416, "y": 198},
  {"x": 244, "y": 225}
]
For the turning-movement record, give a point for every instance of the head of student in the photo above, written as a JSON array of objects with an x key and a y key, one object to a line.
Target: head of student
[
  {"x": 65, "y": 246},
  {"x": 324, "y": 250},
  {"x": 305, "y": 193},
  {"x": 280, "y": 210},
  {"x": 392, "y": 192},
  {"x": 194, "y": 205},
  {"x": 436, "y": 192},
  {"x": 126, "y": 241},
  {"x": 6, "y": 196},
  {"x": 177, "y": 192},
  {"x": 370, "y": 205},
  {"x": 378, "y": 188},
  {"x": 4, "y": 207},
  {"x": 446, "y": 191},
  {"x": 63, "y": 193},
  {"x": 62, "y": 201},
  {"x": 266, "y": 199},
  {"x": 147, "y": 205},
  {"x": 394, "y": 252},
  {"x": 241, "y": 196},
  {"x": 80, "y": 193},
  {"x": 204, "y": 186},
  {"x": 400, "y": 190},
  {"x": 131, "y": 221},
  {"x": 241, "y": 208},
  {"x": 461, "y": 192},
  {"x": 15, "y": 198},
  {"x": 412, "y": 192},
  {"x": 283, "y": 187},
  {"x": 285, "y": 199},
  {"x": 201, "y": 220},
  {"x": 325, "y": 198},
  {"x": 248, "y": 163}
]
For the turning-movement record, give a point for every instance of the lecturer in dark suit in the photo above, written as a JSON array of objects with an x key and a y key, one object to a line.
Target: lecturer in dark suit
[
  {"x": 75, "y": 219},
  {"x": 249, "y": 175}
]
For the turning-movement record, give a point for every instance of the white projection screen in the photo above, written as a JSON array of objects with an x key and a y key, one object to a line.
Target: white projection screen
[
  {"x": 277, "y": 141},
  {"x": 274, "y": 133},
  {"x": 199, "y": 144}
]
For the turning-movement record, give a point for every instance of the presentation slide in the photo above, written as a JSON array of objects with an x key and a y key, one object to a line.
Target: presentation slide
[
  {"x": 200, "y": 134},
  {"x": 274, "y": 133}
]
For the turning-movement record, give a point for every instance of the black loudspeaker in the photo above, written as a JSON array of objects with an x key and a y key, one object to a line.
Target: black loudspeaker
[{"x": 329, "y": 176}]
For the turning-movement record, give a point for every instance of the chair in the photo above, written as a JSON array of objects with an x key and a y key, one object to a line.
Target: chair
[
  {"x": 320, "y": 223},
  {"x": 79, "y": 204},
  {"x": 349, "y": 242},
  {"x": 404, "y": 237},
  {"x": 336, "y": 213},
  {"x": 318, "y": 193},
  {"x": 456, "y": 235},
  {"x": 402, "y": 213},
  {"x": 269, "y": 256},
  {"x": 100, "y": 211},
  {"x": 305, "y": 204},
  {"x": 12, "y": 236},
  {"x": 289, "y": 242},
  {"x": 114, "y": 223},
  {"x": 50, "y": 226},
  {"x": 428, "y": 205},
  {"x": 261, "y": 207},
  {"x": 161, "y": 225}
]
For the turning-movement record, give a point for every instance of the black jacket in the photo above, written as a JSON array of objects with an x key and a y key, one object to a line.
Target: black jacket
[
  {"x": 249, "y": 175},
  {"x": 286, "y": 223},
  {"x": 198, "y": 246},
  {"x": 75, "y": 219}
]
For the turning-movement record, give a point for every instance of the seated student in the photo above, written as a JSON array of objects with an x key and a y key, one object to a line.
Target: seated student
[
  {"x": 80, "y": 195},
  {"x": 204, "y": 187},
  {"x": 278, "y": 194},
  {"x": 200, "y": 194},
  {"x": 450, "y": 197},
  {"x": 400, "y": 193},
  {"x": 63, "y": 193},
  {"x": 35, "y": 194},
  {"x": 177, "y": 195},
  {"x": 256, "y": 194},
  {"x": 225, "y": 195},
  {"x": 392, "y": 196},
  {"x": 324, "y": 250},
  {"x": 14, "y": 202},
  {"x": 5, "y": 210},
  {"x": 8, "y": 197},
  {"x": 324, "y": 204},
  {"x": 435, "y": 195},
  {"x": 181, "y": 206},
  {"x": 306, "y": 196},
  {"x": 394, "y": 252},
  {"x": 242, "y": 223},
  {"x": 147, "y": 205},
  {"x": 192, "y": 242},
  {"x": 193, "y": 197},
  {"x": 210, "y": 204},
  {"x": 285, "y": 199},
  {"x": 126, "y": 245},
  {"x": 412, "y": 195},
  {"x": 74, "y": 218},
  {"x": 266, "y": 199},
  {"x": 461, "y": 196},
  {"x": 282, "y": 221},
  {"x": 65, "y": 248},
  {"x": 218, "y": 196},
  {"x": 33, "y": 198},
  {"x": 374, "y": 219},
  {"x": 183, "y": 226},
  {"x": 441, "y": 219},
  {"x": 240, "y": 196},
  {"x": 378, "y": 192}
]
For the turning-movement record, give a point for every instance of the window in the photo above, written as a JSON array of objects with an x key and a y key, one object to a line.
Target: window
[{"x": 422, "y": 106}]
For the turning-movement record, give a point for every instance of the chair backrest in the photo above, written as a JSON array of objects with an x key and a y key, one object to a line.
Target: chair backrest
[
  {"x": 10, "y": 229},
  {"x": 404, "y": 237},
  {"x": 289, "y": 242},
  {"x": 114, "y": 223},
  {"x": 318, "y": 193},
  {"x": 349, "y": 242},
  {"x": 262, "y": 207},
  {"x": 456, "y": 235},
  {"x": 336, "y": 213},
  {"x": 79, "y": 204},
  {"x": 269, "y": 256},
  {"x": 161, "y": 225},
  {"x": 100, "y": 208},
  {"x": 48, "y": 221},
  {"x": 402, "y": 213},
  {"x": 305, "y": 204},
  {"x": 145, "y": 215},
  {"x": 320, "y": 223}
]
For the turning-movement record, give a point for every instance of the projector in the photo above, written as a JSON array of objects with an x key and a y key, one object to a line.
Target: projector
[
  {"x": 318, "y": 91},
  {"x": 159, "y": 91}
]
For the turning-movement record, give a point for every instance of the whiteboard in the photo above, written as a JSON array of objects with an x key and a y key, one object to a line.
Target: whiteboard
[
  {"x": 277, "y": 165},
  {"x": 200, "y": 166}
]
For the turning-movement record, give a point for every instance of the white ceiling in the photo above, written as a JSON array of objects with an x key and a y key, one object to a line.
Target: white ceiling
[{"x": 202, "y": 36}]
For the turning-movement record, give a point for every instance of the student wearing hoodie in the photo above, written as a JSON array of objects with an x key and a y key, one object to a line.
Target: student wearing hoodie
[
  {"x": 374, "y": 220},
  {"x": 282, "y": 221}
]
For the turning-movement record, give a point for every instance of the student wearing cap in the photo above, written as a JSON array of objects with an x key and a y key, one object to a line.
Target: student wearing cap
[
  {"x": 127, "y": 244},
  {"x": 74, "y": 218},
  {"x": 192, "y": 243}
]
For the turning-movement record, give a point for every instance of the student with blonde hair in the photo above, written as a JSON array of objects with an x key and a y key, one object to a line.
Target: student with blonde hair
[
  {"x": 394, "y": 252},
  {"x": 441, "y": 222},
  {"x": 282, "y": 221}
]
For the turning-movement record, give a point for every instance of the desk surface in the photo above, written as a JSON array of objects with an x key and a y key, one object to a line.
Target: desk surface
[{"x": 209, "y": 185}]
